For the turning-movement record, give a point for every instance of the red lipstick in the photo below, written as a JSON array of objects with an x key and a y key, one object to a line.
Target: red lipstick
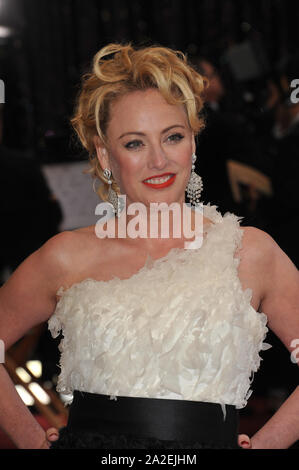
[{"x": 169, "y": 182}]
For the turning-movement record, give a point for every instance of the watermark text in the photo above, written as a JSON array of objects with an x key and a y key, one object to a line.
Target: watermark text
[
  {"x": 158, "y": 220},
  {"x": 295, "y": 353},
  {"x": 2, "y": 92},
  {"x": 294, "y": 95}
]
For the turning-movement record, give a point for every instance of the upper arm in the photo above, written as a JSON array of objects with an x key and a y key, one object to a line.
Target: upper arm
[
  {"x": 29, "y": 296},
  {"x": 280, "y": 300}
]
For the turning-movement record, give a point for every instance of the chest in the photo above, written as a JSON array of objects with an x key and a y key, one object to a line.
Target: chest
[{"x": 123, "y": 262}]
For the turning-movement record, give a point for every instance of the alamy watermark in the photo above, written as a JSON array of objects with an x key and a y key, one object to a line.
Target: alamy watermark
[
  {"x": 295, "y": 353},
  {"x": 294, "y": 98},
  {"x": 152, "y": 222},
  {"x": 2, "y": 92}
]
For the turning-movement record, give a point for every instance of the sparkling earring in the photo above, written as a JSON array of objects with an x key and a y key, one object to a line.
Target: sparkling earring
[
  {"x": 112, "y": 195},
  {"x": 195, "y": 185}
]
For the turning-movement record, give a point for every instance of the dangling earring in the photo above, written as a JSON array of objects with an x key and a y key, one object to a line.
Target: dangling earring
[
  {"x": 112, "y": 195},
  {"x": 195, "y": 185}
]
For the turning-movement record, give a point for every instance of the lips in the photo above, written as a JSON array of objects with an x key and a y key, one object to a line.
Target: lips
[{"x": 169, "y": 180}]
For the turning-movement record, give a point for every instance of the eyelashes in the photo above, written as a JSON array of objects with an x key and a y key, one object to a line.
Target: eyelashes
[
  {"x": 177, "y": 136},
  {"x": 135, "y": 144},
  {"x": 132, "y": 144}
]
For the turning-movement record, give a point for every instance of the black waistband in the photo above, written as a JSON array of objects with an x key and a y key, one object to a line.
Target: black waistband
[{"x": 154, "y": 417}]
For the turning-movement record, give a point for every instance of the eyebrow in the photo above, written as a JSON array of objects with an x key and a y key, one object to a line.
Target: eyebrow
[{"x": 142, "y": 133}]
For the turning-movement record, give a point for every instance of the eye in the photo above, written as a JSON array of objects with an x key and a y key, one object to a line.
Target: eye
[
  {"x": 175, "y": 137},
  {"x": 133, "y": 144}
]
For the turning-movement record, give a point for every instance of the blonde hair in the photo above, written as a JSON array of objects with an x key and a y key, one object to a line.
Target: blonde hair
[{"x": 129, "y": 69}]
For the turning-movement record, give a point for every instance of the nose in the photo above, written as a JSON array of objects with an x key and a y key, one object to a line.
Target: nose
[{"x": 157, "y": 157}]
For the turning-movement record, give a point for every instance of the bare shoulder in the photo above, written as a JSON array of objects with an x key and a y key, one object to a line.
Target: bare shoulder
[
  {"x": 28, "y": 297},
  {"x": 277, "y": 278},
  {"x": 257, "y": 245},
  {"x": 266, "y": 264},
  {"x": 59, "y": 248},
  {"x": 255, "y": 252},
  {"x": 260, "y": 247},
  {"x": 67, "y": 249},
  {"x": 55, "y": 257}
]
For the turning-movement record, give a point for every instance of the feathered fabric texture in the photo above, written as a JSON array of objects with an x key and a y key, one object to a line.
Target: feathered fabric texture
[{"x": 180, "y": 328}]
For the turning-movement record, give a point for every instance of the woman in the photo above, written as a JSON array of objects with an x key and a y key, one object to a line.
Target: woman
[{"x": 159, "y": 341}]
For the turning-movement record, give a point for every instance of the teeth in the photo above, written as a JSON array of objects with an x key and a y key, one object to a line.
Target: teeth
[{"x": 158, "y": 180}]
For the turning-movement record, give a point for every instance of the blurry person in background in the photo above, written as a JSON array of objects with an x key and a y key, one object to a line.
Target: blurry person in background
[
  {"x": 285, "y": 218},
  {"x": 29, "y": 212},
  {"x": 224, "y": 138},
  {"x": 215, "y": 93},
  {"x": 279, "y": 375}
]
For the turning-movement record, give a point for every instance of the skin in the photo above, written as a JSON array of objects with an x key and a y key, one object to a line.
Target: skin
[
  {"x": 133, "y": 158},
  {"x": 72, "y": 256}
]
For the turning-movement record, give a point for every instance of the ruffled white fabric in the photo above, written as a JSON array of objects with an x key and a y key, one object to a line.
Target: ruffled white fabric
[{"x": 180, "y": 328}]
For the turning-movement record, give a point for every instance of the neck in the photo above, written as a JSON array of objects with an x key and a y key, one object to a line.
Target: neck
[{"x": 161, "y": 229}]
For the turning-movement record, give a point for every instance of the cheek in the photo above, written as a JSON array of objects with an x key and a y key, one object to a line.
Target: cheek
[
  {"x": 128, "y": 168},
  {"x": 184, "y": 155},
  {"x": 114, "y": 165}
]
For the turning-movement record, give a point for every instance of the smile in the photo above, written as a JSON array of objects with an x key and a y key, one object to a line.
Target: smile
[{"x": 160, "y": 182}]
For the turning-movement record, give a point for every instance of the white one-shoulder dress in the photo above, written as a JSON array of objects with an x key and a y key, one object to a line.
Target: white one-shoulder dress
[{"x": 181, "y": 328}]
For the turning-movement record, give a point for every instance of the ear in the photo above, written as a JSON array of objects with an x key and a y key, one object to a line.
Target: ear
[{"x": 102, "y": 153}]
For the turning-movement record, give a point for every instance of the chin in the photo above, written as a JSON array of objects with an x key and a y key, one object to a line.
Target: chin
[{"x": 158, "y": 199}]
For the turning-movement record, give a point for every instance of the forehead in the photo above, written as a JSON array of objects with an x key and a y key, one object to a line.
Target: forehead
[{"x": 145, "y": 109}]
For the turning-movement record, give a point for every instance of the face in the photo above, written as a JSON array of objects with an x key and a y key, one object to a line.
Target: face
[
  {"x": 215, "y": 90},
  {"x": 148, "y": 138}
]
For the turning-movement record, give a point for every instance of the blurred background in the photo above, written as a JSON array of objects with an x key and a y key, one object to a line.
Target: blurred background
[{"x": 247, "y": 155}]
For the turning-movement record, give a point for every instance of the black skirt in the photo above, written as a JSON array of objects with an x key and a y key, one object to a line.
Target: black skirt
[{"x": 98, "y": 422}]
